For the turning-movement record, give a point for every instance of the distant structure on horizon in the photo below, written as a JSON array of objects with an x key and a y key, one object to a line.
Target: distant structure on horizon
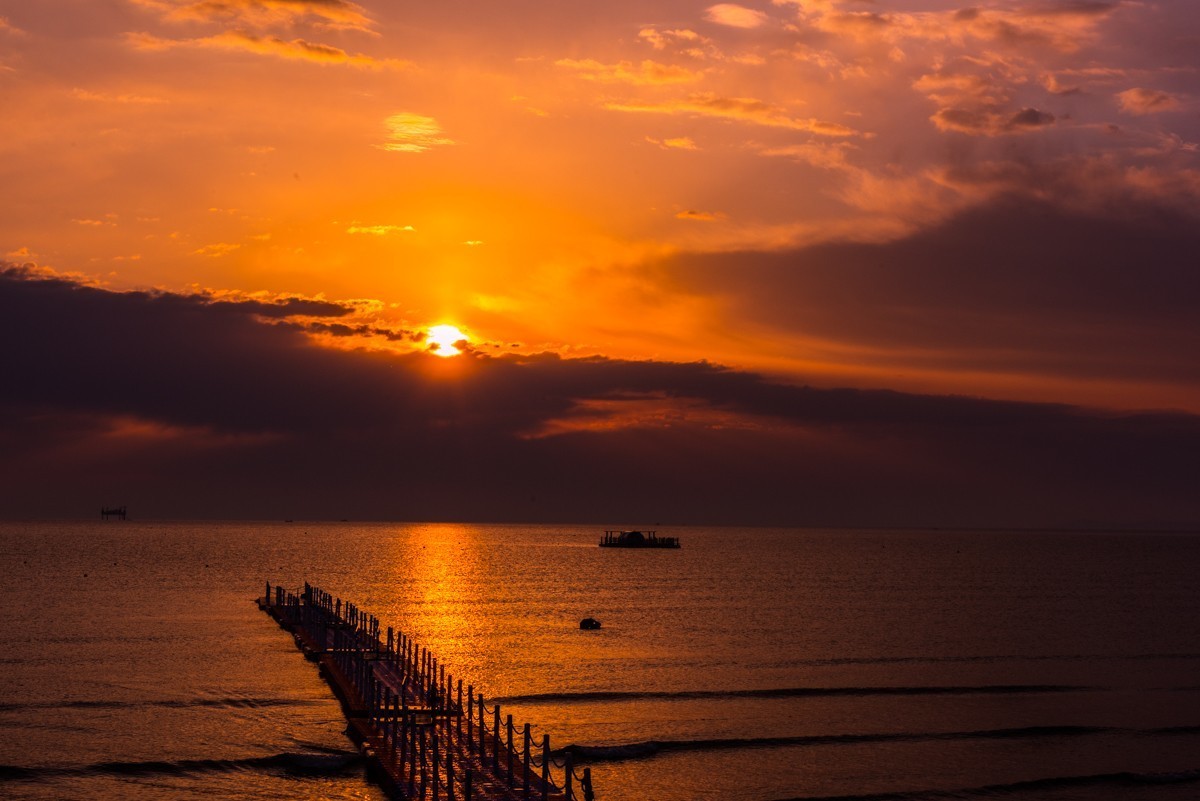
[{"x": 112, "y": 511}]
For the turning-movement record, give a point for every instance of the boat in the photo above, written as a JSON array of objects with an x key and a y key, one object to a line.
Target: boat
[{"x": 637, "y": 539}]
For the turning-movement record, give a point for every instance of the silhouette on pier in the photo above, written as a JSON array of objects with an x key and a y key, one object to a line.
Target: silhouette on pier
[{"x": 421, "y": 736}]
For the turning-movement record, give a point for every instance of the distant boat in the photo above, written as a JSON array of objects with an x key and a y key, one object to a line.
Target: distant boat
[
  {"x": 118, "y": 512},
  {"x": 637, "y": 539}
]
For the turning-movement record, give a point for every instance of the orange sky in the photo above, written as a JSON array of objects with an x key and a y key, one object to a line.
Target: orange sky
[
  {"x": 806, "y": 263},
  {"x": 608, "y": 179}
]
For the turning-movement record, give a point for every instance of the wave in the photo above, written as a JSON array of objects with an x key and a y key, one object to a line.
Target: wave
[
  {"x": 986, "y": 658},
  {"x": 784, "y": 692},
  {"x": 292, "y": 763},
  {"x": 651, "y": 748},
  {"x": 1122, "y": 779},
  {"x": 181, "y": 703}
]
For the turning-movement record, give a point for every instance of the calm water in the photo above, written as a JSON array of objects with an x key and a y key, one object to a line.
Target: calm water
[{"x": 756, "y": 664}]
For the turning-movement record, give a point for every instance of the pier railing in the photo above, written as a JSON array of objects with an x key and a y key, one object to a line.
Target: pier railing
[{"x": 431, "y": 738}]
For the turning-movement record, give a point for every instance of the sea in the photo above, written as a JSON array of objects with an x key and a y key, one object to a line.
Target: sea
[{"x": 755, "y": 664}]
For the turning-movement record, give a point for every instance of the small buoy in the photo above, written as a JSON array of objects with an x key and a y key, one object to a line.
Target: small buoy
[{"x": 589, "y": 623}]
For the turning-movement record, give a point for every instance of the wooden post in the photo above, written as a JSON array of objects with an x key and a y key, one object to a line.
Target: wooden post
[
  {"x": 267, "y": 597},
  {"x": 525, "y": 783},
  {"x": 458, "y": 725},
  {"x": 496, "y": 741},
  {"x": 588, "y": 795},
  {"x": 545, "y": 766},
  {"x": 509, "y": 725},
  {"x": 433, "y": 741},
  {"x": 467, "y": 785},
  {"x": 470, "y": 717},
  {"x": 568, "y": 769}
]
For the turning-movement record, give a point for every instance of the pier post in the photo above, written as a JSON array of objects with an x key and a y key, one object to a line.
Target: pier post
[
  {"x": 568, "y": 770},
  {"x": 509, "y": 725},
  {"x": 588, "y": 795},
  {"x": 496, "y": 740},
  {"x": 525, "y": 772},
  {"x": 433, "y": 742},
  {"x": 267, "y": 597},
  {"x": 467, "y": 785},
  {"x": 458, "y": 724},
  {"x": 545, "y": 766},
  {"x": 470, "y": 717}
]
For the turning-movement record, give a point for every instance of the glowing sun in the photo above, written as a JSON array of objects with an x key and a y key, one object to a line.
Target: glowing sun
[{"x": 442, "y": 339}]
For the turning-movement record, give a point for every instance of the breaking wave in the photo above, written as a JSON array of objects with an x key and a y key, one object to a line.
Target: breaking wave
[
  {"x": 650, "y": 748},
  {"x": 785, "y": 692}
]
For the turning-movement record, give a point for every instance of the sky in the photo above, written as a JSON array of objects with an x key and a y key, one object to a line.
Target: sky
[{"x": 803, "y": 262}]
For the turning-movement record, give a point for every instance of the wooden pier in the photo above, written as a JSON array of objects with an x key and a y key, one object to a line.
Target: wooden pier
[{"x": 421, "y": 736}]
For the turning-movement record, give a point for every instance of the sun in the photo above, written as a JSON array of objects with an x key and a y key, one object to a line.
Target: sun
[{"x": 442, "y": 340}]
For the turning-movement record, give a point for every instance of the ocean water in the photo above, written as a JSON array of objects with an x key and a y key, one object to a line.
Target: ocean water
[{"x": 757, "y": 664}]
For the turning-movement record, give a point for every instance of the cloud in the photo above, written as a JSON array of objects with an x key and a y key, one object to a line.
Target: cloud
[
  {"x": 647, "y": 73},
  {"x": 336, "y": 14},
  {"x": 294, "y": 50},
  {"x": 817, "y": 154},
  {"x": 124, "y": 98},
  {"x": 378, "y": 230},
  {"x": 1146, "y": 101},
  {"x": 741, "y": 109},
  {"x": 216, "y": 250},
  {"x": 1094, "y": 304},
  {"x": 988, "y": 121},
  {"x": 8, "y": 28},
  {"x": 700, "y": 216},
  {"x": 735, "y": 16},
  {"x": 255, "y": 419},
  {"x": 676, "y": 143},
  {"x": 413, "y": 133}
]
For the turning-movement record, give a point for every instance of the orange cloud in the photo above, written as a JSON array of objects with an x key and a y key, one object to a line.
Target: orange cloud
[
  {"x": 735, "y": 16},
  {"x": 378, "y": 230},
  {"x": 297, "y": 49},
  {"x": 816, "y": 154},
  {"x": 742, "y": 109},
  {"x": 413, "y": 133},
  {"x": 1141, "y": 101},
  {"x": 216, "y": 250},
  {"x": 338, "y": 14},
  {"x": 701, "y": 216},
  {"x": 677, "y": 143},
  {"x": 101, "y": 97},
  {"x": 646, "y": 73}
]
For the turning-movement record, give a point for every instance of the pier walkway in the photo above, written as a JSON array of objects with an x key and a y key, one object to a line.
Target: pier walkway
[{"x": 422, "y": 737}]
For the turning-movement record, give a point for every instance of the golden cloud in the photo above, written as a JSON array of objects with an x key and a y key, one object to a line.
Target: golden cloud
[
  {"x": 296, "y": 49},
  {"x": 742, "y": 109},
  {"x": 413, "y": 133},
  {"x": 338, "y": 14},
  {"x": 1141, "y": 101},
  {"x": 216, "y": 250},
  {"x": 735, "y": 16},
  {"x": 101, "y": 97},
  {"x": 378, "y": 230},
  {"x": 648, "y": 73}
]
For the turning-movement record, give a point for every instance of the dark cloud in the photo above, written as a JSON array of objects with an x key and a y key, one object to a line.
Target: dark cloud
[
  {"x": 180, "y": 408},
  {"x": 1018, "y": 286},
  {"x": 1030, "y": 118}
]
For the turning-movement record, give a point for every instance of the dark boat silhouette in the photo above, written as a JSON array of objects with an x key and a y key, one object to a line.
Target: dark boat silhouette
[{"x": 637, "y": 539}]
